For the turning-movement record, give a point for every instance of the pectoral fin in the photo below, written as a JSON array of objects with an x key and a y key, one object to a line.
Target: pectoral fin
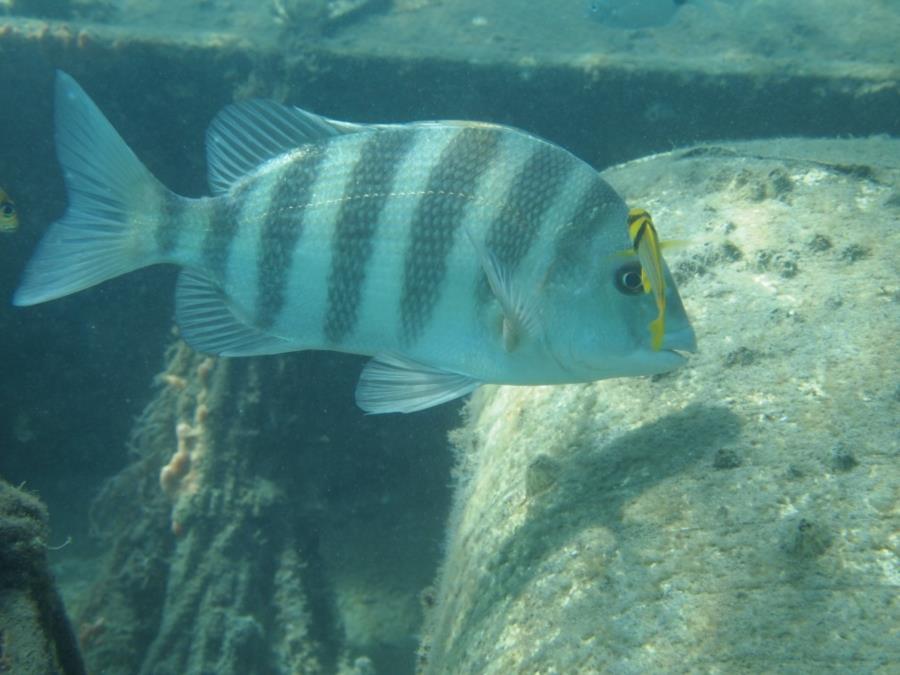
[{"x": 519, "y": 315}]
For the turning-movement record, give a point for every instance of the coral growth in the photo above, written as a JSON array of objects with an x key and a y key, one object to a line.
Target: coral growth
[{"x": 182, "y": 476}]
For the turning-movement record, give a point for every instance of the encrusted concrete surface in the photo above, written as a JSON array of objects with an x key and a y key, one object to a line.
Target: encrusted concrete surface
[
  {"x": 738, "y": 515},
  {"x": 258, "y": 531},
  {"x": 35, "y": 635},
  {"x": 727, "y": 516}
]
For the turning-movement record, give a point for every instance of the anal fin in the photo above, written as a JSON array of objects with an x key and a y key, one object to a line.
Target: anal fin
[
  {"x": 391, "y": 383},
  {"x": 209, "y": 325}
]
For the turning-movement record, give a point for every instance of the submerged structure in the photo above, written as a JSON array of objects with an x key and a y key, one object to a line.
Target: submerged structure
[
  {"x": 236, "y": 538},
  {"x": 715, "y": 515},
  {"x": 740, "y": 514},
  {"x": 35, "y": 634}
]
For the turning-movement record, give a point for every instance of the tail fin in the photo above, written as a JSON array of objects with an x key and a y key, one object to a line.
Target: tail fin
[{"x": 98, "y": 237}]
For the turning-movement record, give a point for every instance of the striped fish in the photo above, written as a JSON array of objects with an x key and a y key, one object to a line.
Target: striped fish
[{"x": 453, "y": 253}]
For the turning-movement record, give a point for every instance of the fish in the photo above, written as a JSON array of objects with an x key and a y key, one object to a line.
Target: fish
[
  {"x": 648, "y": 249},
  {"x": 635, "y": 14},
  {"x": 452, "y": 253},
  {"x": 9, "y": 216}
]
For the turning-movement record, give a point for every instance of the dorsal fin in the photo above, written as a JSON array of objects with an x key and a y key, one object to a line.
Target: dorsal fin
[{"x": 246, "y": 134}]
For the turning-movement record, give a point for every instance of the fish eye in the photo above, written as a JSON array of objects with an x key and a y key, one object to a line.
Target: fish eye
[
  {"x": 628, "y": 279},
  {"x": 7, "y": 209}
]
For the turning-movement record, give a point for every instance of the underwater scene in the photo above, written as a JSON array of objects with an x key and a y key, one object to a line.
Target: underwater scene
[{"x": 449, "y": 337}]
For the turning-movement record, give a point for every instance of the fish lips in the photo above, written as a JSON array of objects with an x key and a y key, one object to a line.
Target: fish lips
[
  {"x": 680, "y": 342},
  {"x": 642, "y": 360}
]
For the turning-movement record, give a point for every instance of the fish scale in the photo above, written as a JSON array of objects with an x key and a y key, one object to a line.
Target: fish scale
[
  {"x": 591, "y": 211},
  {"x": 166, "y": 232},
  {"x": 280, "y": 230},
  {"x": 380, "y": 309},
  {"x": 217, "y": 240},
  {"x": 371, "y": 181},
  {"x": 453, "y": 253},
  {"x": 438, "y": 215},
  {"x": 516, "y": 225}
]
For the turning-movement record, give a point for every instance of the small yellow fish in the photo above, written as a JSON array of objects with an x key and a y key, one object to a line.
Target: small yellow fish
[
  {"x": 647, "y": 247},
  {"x": 9, "y": 217}
]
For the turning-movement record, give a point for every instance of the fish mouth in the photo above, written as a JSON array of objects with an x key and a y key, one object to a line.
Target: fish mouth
[{"x": 680, "y": 342}]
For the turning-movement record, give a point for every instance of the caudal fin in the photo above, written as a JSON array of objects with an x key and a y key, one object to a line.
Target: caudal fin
[{"x": 99, "y": 236}]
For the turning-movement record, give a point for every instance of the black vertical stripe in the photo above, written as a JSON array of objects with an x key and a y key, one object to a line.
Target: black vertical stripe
[
  {"x": 533, "y": 190},
  {"x": 595, "y": 205},
  {"x": 171, "y": 218},
  {"x": 220, "y": 233},
  {"x": 364, "y": 198},
  {"x": 640, "y": 235},
  {"x": 281, "y": 230},
  {"x": 451, "y": 185}
]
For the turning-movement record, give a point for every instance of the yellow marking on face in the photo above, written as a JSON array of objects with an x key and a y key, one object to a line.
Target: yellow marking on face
[{"x": 648, "y": 250}]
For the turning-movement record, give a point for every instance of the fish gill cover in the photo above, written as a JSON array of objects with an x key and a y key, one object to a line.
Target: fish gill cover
[{"x": 257, "y": 522}]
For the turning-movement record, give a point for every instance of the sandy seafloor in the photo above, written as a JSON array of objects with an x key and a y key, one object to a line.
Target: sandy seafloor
[{"x": 731, "y": 508}]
